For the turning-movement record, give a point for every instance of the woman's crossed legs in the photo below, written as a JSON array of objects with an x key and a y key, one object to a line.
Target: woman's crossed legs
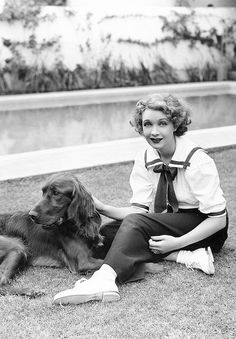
[{"x": 130, "y": 250}]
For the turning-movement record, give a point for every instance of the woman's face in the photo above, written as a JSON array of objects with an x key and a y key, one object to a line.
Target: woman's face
[{"x": 158, "y": 130}]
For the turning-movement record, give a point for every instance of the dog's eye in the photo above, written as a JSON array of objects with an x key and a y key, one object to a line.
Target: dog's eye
[{"x": 54, "y": 192}]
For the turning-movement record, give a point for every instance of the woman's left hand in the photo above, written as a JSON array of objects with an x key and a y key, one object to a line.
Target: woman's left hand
[{"x": 161, "y": 244}]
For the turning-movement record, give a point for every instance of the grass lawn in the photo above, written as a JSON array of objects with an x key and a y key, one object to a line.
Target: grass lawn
[{"x": 175, "y": 303}]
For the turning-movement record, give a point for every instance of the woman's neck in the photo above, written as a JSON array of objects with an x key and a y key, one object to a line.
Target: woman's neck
[
  {"x": 166, "y": 155},
  {"x": 166, "y": 159}
]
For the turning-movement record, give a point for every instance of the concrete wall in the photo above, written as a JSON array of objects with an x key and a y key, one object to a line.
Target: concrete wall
[
  {"x": 159, "y": 3},
  {"x": 130, "y": 36}
]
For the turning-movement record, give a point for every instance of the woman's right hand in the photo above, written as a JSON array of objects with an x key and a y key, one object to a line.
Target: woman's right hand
[
  {"x": 118, "y": 213},
  {"x": 98, "y": 204}
]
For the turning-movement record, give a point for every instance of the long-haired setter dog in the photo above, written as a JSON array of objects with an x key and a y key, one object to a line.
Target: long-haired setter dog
[{"x": 61, "y": 230}]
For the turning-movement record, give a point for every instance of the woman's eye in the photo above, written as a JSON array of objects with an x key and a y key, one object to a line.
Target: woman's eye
[
  {"x": 147, "y": 123},
  {"x": 163, "y": 123}
]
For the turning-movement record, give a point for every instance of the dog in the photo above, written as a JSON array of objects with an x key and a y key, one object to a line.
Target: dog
[{"x": 61, "y": 230}]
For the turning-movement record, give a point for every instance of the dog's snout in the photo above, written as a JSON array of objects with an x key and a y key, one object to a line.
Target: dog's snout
[{"x": 33, "y": 215}]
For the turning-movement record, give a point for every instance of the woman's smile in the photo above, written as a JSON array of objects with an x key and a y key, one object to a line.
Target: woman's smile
[{"x": 156, "y": 140}]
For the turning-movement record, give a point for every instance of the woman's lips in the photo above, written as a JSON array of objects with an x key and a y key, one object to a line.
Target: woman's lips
[{"x": 156, "y": 140}]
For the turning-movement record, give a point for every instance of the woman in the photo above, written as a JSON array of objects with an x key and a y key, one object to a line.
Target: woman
[{"x": 189, "y": 218}]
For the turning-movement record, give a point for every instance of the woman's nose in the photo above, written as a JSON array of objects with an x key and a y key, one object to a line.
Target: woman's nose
[{"x": 155, "y": 130}]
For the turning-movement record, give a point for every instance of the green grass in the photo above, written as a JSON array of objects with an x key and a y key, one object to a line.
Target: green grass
[{"x": 175, "y": 303}]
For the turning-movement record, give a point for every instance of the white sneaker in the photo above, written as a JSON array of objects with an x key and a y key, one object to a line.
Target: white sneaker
[
  {"x": 201, "y": 259},
  {"x": 98, "y": 289}
]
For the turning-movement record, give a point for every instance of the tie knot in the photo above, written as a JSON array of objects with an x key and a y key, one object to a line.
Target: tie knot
[{"x": 163, "y": 168}]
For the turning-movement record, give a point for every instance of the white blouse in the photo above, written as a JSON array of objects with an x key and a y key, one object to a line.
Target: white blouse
[{"x": 196, "y": 184}]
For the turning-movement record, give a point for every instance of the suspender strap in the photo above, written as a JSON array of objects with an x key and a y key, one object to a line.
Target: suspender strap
[{"x": 186, "y": 163}]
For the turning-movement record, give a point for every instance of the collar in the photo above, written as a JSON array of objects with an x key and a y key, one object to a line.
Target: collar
[{"x": 183, "y": 151}]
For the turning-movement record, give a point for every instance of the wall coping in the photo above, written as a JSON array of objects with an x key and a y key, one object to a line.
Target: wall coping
[
  {"x": 21, "y": 165},
  {"x": 109, "y": 95}
]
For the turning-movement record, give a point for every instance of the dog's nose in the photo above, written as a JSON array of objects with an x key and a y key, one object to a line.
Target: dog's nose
[
  {"x": 8, "y": 60},
  {"x": 33, "y": 215}
]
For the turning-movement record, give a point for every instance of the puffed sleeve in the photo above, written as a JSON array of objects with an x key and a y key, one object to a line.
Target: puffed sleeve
[
  {"x": 203, "y": 179},
  {"x": 141, "y": 184}
]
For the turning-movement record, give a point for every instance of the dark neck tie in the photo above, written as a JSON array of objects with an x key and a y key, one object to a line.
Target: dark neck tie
[{"x": 165, "y": 198}]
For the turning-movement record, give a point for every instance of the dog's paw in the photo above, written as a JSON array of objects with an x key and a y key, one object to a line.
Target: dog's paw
[
  {"x": 35, "y": 294},
  {"x": 24, "y": 292},
  {"x": 153, "y": 268}
]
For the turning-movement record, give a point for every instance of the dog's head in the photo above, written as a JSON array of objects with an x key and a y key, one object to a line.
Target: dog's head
[{"x": 65, "y": 199}]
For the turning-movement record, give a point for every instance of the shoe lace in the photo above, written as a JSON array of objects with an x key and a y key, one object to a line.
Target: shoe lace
[{"x": 193, "y": 265}]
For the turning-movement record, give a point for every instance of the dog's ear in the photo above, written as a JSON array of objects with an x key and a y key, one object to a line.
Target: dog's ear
[{"x": 82, "y": 211}]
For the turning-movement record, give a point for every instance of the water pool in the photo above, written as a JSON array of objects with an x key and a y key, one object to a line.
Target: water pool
[{"x": 31, "y": 130}]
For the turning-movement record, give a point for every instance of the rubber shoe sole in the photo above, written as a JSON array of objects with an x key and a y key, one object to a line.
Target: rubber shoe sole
[
  {"x": 210, "y": 254},
  {"x": 84, "y": 298},
  {"x": 211, "y": 268}
]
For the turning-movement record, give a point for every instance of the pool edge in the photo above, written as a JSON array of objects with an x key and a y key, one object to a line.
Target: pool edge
[
  {"x": 28, "y": 164},
  {"x": 109, "y": 95}
]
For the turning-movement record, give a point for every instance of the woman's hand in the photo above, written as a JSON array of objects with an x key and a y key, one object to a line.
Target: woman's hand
[
  {"x": 98, "y": 204},
  {"x": 163, "y": 244},
  {"x": 118, "y": 213}
]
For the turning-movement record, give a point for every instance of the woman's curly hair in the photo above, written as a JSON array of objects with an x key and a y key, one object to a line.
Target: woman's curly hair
[{"x": 175, "y": 110}]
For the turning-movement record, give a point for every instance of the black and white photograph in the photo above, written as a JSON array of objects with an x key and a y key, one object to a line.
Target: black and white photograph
[{"x": 117, "y": 169}]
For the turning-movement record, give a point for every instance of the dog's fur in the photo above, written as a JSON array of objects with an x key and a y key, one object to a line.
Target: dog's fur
[{"x": 61, "y": 230}]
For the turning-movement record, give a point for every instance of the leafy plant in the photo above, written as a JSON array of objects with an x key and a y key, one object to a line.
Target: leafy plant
[
  {"x": 17, "y": 77},
  {"x": 207, "y": 73},
  {"x": 19, "y": 10},
  {"x": 52, "y": 2}
]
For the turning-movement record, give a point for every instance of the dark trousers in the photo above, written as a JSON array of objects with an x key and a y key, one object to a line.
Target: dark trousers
[{"x": 126, "y": 242}]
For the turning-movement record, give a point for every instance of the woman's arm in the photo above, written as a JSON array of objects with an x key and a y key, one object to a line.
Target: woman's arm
[
  {"x": 166, "y": 243},
  {"x": 118, "y": 213},
  {"x": 204, "y": 230}
]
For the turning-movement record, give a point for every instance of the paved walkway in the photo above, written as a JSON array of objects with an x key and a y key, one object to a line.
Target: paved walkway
[{"x": 76, "y": 157}]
